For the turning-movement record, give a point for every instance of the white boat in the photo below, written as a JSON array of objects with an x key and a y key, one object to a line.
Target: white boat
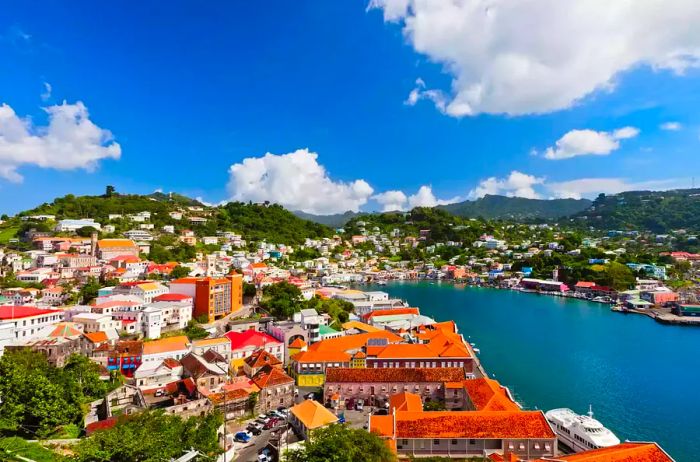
[{"x": 580, "y": 432}]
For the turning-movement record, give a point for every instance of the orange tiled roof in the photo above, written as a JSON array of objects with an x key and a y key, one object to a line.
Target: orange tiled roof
[
  {"x": 166, "y": 345},
  {"x": 383, "y": 425},
  {"x": 262, "y": 358},
  {"x": 388, "y": 375},
  {"x": 360, "y": 326},
  {"x": 270, "y": 376},
  {"x": 115, "y": 243},
  {"x": 391, "y": 312},
  {"x": 312, "y": 414},
  {"x": 298, "y": 343},
  {"x": 352, "y": 342},
  {"x": 321, "y": 356},
  {"x": 488, "y": 395},
  {"x": 405, "y": 401},
  {"x": 210, "y": 341},
  {"x": 97, "y": 337},
  {"x": 625, "y": 452},
  {"x": 473, "y": 425}
]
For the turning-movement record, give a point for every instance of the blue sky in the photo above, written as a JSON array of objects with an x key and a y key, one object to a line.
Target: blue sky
[{"x": 189, "y": 89}]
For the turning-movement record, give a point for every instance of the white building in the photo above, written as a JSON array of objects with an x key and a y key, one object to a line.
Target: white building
[
  {"x": 65, "y": 226},
  {"x": 25, "y": 322}
]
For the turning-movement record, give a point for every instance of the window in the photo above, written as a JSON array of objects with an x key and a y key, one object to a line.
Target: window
[
  {"x": 454, "y": 442},
  {"x": 472, "y": 441},
  {"x": 436, "y": 442}
]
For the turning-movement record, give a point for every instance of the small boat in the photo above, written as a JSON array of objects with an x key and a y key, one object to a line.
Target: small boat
[
  {"x": 476, "y": 350},
  {"x": 580, "y": 432}
]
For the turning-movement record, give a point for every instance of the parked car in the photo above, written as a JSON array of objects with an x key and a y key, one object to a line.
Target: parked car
[
  {"x": 271, "y": 424},
  {"x": 359, "y": 405},
  {"x": 254, "y": 429},
  {"x": 159, "y": 393},
  {"x": 241, "y": 437},
  {"x": 263, "y": 458},
  {"x": 310, "y": 396}
]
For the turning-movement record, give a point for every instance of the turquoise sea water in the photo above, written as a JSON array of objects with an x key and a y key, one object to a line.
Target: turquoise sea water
[{"x": 642, "y": 378}]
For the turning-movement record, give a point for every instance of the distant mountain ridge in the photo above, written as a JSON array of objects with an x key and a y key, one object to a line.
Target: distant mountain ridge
[{"x": 517, "y": 208}]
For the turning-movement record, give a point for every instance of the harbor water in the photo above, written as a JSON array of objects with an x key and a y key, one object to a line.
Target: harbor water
[{"x": 641, "y": 377}]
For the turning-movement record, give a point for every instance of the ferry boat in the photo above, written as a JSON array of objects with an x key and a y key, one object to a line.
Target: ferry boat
[{"x": 580, "y": 432}]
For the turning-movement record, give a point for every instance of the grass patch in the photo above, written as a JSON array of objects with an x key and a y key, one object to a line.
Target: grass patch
[
  {"x": 8, "y": 233},
  {"x": 14, "y": 446}
]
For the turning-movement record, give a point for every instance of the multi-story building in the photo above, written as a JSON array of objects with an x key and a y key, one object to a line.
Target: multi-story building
[
  {"x": 412, "y": 432},
  {"x": 245, "y": 343},
  {"x": 107, "y": 249},
  {"x": 214, "y": 298},
  {"x": 172, "y": 347},
  {"x": 26, "y": 322},
  {"x": 374, "y": 386},
  {"x": 96, "y": 322}
]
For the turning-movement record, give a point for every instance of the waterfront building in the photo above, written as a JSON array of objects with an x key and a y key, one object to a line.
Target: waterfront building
[
  {"x": 463, "y": 434},
  {"x": 625, "y": 452}
]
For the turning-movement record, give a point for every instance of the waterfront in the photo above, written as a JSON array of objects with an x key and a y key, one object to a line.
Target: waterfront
[{"x": 640, "y": 376}]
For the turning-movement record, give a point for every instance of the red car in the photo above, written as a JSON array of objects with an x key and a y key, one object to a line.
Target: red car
[{"x": 271, "y": 423}]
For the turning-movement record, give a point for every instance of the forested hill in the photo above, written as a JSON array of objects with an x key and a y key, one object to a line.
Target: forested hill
[
  {"x": 267, "y": 222},
  {"x": 656, "y": 211},
  {"x": 110, "y": 203},
  {"x": 517, "y": 208}
]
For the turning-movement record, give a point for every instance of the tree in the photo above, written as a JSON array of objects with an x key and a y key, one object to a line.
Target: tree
[
  {"x": 109, "y": 191},
  {"x": 36, "y": 397},
  {"x": 619, "y": 276},
  {"x": 434, "y": 406},
  {"x": 340, "y": 443},
  {"x": 253, "y": 400},
  {"x": 179, "y": 272},
  {"x": 195, "y": 331},
  {"x": 87, "y": 375},
  {"x": 249, "y": 289},
  {"x": 152, "y": 436},
  {"x": 90, "y": 290},
  {"x": 85, "y": 231},
  {"x": 282, "y": 299}
]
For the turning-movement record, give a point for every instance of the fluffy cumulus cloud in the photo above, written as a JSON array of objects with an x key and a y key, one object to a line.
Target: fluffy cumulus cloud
[
  {"x": 537, "y": 56},
  {"x": 589, "y": 142},
  {"x": 398, "y": 200},
  {"x": 297, "y": 181},
  {"x": 391, "y": 200},
  {"x": 69, "y": 141},
  {"x": 590, "y": 187},
  {"x": 671, "y": 126},
  {"x": 516, "y": 184}
]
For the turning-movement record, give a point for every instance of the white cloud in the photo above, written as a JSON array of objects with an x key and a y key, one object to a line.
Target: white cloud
[
  {"x": 424, "y": 197},
  {"x": 590, "y": 187},
  {"x": 47, "y": 92},
  {"x": 391, "y": 200},
  {"x": 671, "y": 126},
  {"x": 537, "y": 56},
  {"x": 588, "y": 142},
  {"x": 69, "y": 141},
  {"x": 517, "y": 184},
  {"x": 297, "y": 181}
]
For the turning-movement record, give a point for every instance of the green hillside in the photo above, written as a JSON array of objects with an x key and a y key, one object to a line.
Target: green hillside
[
  {"x": 655, "y": 211},
  {"x": 517, "y": 208}
]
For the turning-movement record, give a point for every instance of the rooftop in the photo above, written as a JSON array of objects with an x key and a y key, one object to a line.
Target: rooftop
[
  {"x": 473, "y": 425},
  {"x": 166, "y": 345},
  {"x": 250, "y": 337},
  {"x": 18, "y": 312},
  {"x": 313, "y": 415}
]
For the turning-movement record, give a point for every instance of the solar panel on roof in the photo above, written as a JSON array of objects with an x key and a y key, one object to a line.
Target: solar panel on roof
[{"x": 377, "y": 342}]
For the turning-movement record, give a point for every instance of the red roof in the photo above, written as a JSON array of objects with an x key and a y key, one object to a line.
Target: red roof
[
  {"x": 17, "y": 312},
  {"x": 250, "y": 338},
  {"x": 100, "y": 425},
  {"x": 171, "y": 298}
]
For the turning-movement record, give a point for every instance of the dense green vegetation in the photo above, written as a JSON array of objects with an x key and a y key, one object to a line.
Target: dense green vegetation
[
  {"x": 38, "y": 399},
  {"x": 151, "y": 436},
  {"x": 283, "y": 299},
  {"x": 655, "y": 211},
  {"x": 12, "y": 448},
  {"x": 517, "y": 208},
  {"x": 340, "y": 443},
  {"x": 272, "y": 223}
]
